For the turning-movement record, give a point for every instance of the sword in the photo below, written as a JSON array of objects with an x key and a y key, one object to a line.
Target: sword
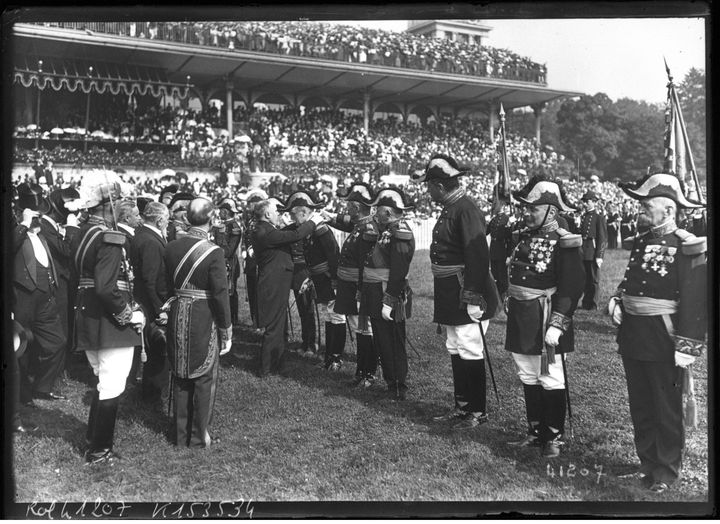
[
  {"x": 487, "y": 357},
  {"x": 567, "y": 394}
]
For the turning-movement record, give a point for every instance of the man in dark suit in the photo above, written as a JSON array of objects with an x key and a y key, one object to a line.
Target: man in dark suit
[
  {"x": 35, "y": 286},
  {"x": 147, "y": 254},
  {"x": 199, "y": 324},
  {"x": 58, "y": 227},
  {"x": 275, "y": 271},
  {"x": 593, "y": 230}
]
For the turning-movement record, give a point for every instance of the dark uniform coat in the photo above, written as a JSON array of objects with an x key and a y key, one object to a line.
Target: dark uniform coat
[
  {"x": 197, "y": 327},
  {"x": 352, "y": 256},
  {"x": 593, "y": 230},
  {"x": 542, "y": 259},
  {"x": 500, "y": 231},
  {"x": 321, "y": 255},
  {"x": 103, "y": 310},
  {"x": 459, "y": 239}
]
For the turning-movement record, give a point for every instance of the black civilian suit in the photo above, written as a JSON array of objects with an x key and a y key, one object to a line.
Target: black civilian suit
[
  {"x": 275, "y": 271},
  {"x": 593, "y": 230},
  {"x": 35, "y": 307},
  {"x": 147, "y": 254},
  {"x": 61, "y": 253}
]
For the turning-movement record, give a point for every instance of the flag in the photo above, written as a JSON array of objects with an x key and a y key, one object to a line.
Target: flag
[
  {"x": 501, "y": 189},
  {"x": 678, "y": 156}
]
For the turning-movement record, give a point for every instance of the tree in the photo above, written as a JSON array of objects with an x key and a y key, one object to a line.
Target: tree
[
  {"x": 589, "y": 129},
  {"x": 691, "y": 92}
]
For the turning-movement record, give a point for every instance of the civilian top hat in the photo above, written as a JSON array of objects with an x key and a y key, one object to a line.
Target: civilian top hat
[
  {"x": 30, "y": 196},
  {"x": 58, "y": 199},
  {"x": 539, "y": 190},
  {"x": 659, "y": 185}
]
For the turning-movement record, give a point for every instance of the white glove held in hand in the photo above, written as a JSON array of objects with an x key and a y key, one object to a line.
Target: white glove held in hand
[
  {"x": 225, "y": 349},
  {"x": 599, "y": 262},
  {"x": 615, "y": 310},
  {"x": 27, "y": 216},
  {"x": 72, "y": 220},
  {"x": 683, "y": 360},
  {"x": 387, "y": 312},
  {"x": 475, "y": 312},
  {"x": 138, "y": 320},
  {"x": 552, "y": 336}
]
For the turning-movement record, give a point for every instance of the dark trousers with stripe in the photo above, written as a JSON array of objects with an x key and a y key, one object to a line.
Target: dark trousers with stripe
[
  {"x": 389, "y": 338},
  {"x": 655, "y": 397},
  {"x": 592, "y": 284},
  {"x": 194, "y": 399}
]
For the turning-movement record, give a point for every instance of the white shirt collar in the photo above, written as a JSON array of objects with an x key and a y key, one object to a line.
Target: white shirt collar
[
  {"x": 130, "y": 231},
  {"x": 153, "y": 228}
]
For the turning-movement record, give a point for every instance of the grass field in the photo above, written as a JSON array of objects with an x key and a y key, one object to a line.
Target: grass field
[{"x": 311, "y": 437}]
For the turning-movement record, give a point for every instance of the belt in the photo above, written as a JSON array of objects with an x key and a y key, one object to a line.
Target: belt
[
  {"x": 376, "y": 274},
  {"x": 193, "y": 293},
  {"x": 447, "y": 271},
  {"x": 319, "y": 269},
  {"x": 348, "y": 274},
  {"x": 89, "y": 283}
]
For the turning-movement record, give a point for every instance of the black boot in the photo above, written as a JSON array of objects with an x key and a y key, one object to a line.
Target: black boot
[
  {"x": 553, "y": 427},
  {"x": 367, "y": 360},
  {"x": 92, "y": 416},
  {"x": 535, "y": 415},
  {"x": 329, "y": 343},
  {"x": 103, "y": 432},
  {"x": 474, "y": 393},
  {"x": 371, "y": 358},
  {"x": 333, "y": 354},
  {"x": 458, "y": 410}
]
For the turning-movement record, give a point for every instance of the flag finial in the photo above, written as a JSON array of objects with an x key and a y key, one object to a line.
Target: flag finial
[
  {"x": 502, "y": 111},
  {"x": 667, "y": 69}
]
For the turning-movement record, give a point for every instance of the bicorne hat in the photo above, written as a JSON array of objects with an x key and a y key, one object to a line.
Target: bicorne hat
[
  {"x": 659, "y": 185},
  {"x": 301, "y": 198},
  {"x": 391, "y": 197},
  {"x": 440, "y": 167},
  {"x": 539, "y": 190}
]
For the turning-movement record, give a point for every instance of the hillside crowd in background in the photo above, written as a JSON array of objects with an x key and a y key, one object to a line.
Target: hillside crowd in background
[{"x": 335, "y": 42}]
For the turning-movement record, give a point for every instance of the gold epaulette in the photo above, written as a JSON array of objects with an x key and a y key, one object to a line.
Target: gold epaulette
[
  {"x": 321, "y": 229},
  {"x": 114, "y": 237},
  {"x": 403, "y": 232},
  {"x": 691, "y": 245},
  {"x": 568, "y": 239}
]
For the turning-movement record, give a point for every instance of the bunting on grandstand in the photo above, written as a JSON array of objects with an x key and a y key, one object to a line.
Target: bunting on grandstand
[
  {"x": 99, "y": 77},
  {"x": 501, "y": 189},
  {"x": 678, "y": 155}
]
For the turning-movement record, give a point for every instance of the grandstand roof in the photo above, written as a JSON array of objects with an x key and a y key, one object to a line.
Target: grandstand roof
[{"x": 285, "y": 75}]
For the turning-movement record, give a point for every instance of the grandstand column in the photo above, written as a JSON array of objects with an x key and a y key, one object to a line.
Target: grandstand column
[
  {"x": 538, "y": 110},
  {"x": 492, "y": 110},
  {"x": 229, "y": 108},
  {"x": 366, "y": 111}
]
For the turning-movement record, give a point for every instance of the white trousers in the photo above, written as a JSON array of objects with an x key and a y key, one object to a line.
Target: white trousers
[
  {"x": 466, "y": 340},
  {"x": 528, "y": 367},
  {"x": 327, "y": 313},
  {"x": 112, "y": 367},
  {"x": 353, "y": 323}
]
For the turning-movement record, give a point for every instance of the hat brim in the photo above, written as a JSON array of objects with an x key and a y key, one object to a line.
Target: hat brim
[{"x": 661, "y": 185}]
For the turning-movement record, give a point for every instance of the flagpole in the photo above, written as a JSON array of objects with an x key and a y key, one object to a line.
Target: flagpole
[{"x": 675, "y": 100}]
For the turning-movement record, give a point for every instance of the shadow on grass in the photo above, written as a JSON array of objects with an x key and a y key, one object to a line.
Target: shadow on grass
[{"x": 54, "y": 423}]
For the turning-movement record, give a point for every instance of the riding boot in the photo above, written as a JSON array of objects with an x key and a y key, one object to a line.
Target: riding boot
[{"x": 103, "y": 432}]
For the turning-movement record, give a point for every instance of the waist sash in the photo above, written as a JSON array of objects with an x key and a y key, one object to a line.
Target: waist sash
[
  {"x": 89, "y": 283},
  {"x": 523, "y": 293},
  {"x": 376, "y": 274},
  {"x": 319, "y": 269},
  {"x": 348, "y": 274},
  {"x": 439, "y": 271},
  {"x": 651, "y": 307}
]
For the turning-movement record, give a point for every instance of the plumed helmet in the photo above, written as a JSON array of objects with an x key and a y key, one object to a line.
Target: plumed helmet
[{"x": 98, "y": 187}]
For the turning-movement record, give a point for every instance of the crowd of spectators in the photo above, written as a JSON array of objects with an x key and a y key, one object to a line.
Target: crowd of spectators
[{"x": 336, "y": 42}]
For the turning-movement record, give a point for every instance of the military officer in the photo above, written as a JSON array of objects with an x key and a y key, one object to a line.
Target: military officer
[
  {"x": 178, "y": 211},
  {"x": 228, "y": 235},
  {"x": 385, "y": 293},
  {"x": 661, "y": 309},
  {"x": 546, "y": 279},
  {"x": 500, "y": 230},
  {"x": 247, "y": 252},
  {"x": 358, "y": 221},
  {"x": 593, "y": 230},
  {"x": 108, "y": 322},
  {"x": 199, "y": 326},
  {"x": 460, "y": 261}
]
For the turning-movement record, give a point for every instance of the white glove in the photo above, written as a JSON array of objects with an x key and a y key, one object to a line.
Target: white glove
[
  {"x": 138, "y": 320},
  {"x": 552, "y": 336},
  {"x": 307, "y": 283},
  {"x": 317, "y": 218},
  {"x": 72, "y": 220},
  {"x": 387, "y": 312},
  {"x": 225, "y": 349},
  {"x": 28, "y": 215},
  {"x": 683, "y": 360},
  {"x": 615, "y": 310},
  {"x": 598, "y": 261},
  {"x": 474, "y": 312},
  {"x": 162, "y": 319}
]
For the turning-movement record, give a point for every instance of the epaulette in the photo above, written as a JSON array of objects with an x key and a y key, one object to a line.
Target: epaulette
[
  {"x": 403, "y": 233},
  {"x": 321, "y": 230},
  {"x": 568, "y": 239},
  {"x": 691, "y": 245},
  {"x": 114, "y": 237}
]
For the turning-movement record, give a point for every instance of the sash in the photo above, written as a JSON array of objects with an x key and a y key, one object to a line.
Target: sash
[
  {"x": 348, "y": 274},
  {"x": 650, "y": 307},
  {"x": 376, "y": 274},
  {"x": 319, "y": 269},
  {"x": 523, "y": 293},
  {"x": 190, "y": 262},
  {"x": 85, "y": 244}
]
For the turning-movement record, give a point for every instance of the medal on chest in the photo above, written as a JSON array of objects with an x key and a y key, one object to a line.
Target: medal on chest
[
  {"x": 657, "y": 259},
  {"x": 540, "y": 253}
]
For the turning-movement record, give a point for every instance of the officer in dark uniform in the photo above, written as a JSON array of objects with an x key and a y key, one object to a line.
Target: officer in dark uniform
[
  {"x": 107, "y": 321},
  {"x": 248, "y": 253},
  {"x": 275, "y": 271},
  {"x": 461, "y": 274},
  {"x": 661, "y": 308},
  {"x": 199, "y": 325},
  {"x": 546, "y": 280},
  {"x": 386, "y": 295},
  {"x": 593, "y": 231},
  {"x": 358, "y": 221},
  {"x": 500, "y": 230}
]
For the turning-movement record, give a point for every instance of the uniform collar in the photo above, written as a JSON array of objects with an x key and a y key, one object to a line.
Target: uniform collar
[
  {"x": 198, "y": 233},
  {"x": 663, "y": 229},
  {"x": 547, "y": 228},
  {"x": 453, "y": 196}
]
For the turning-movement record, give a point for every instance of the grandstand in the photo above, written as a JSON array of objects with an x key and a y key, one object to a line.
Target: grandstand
[{"x": 183, "y": 95}]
